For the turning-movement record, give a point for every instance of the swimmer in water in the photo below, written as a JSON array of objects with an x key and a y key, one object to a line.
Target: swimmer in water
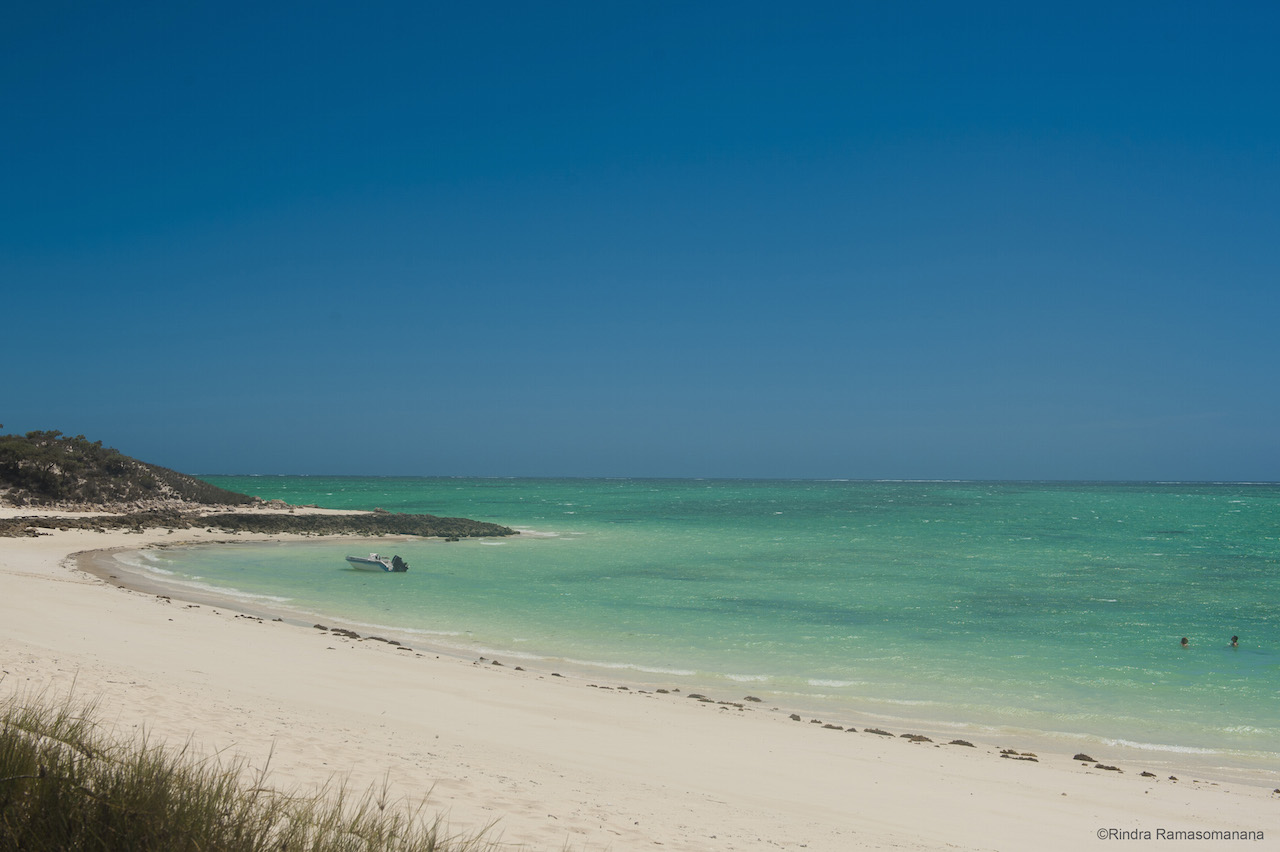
[
  {"x": 1235, "y": 641},
  {"x": 1185, "y": 643}
]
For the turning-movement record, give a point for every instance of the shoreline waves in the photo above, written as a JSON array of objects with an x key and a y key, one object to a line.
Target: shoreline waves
[
  {"x": 1014, "y": 608},
  {"x": 897, "y": 714}
]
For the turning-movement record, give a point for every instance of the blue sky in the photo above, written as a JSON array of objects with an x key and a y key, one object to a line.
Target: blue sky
[{"x": 907, "y": 240}]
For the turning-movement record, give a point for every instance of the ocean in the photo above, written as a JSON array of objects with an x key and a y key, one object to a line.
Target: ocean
[{"x": 994, "y": 609}]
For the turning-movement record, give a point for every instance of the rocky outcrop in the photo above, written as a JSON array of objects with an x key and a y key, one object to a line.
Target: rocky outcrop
[{"x": 363, "y": 523}]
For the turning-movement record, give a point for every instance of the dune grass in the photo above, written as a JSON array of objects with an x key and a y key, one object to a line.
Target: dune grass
[{"x": 68, "y": 784}]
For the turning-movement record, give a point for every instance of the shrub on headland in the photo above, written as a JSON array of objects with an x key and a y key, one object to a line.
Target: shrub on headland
[
  {"x": 49, "y": 468},
  {"x": 65, "y": 784}
]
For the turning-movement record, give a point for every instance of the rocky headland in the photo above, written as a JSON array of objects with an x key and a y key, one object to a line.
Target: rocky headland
[{"x": 51, "y": 481}]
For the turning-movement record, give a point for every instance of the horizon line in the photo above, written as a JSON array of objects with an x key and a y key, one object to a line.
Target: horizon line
[{"x": 885, "y": 480}]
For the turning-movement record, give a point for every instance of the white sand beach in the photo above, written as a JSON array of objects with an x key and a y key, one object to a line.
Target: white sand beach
[{"x": 551, "y": 761}]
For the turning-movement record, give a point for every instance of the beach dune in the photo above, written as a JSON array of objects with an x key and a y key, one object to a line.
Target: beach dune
[{"x": 550, "y": 761}]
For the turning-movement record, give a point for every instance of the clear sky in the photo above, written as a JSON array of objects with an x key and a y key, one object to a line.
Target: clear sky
[{"x": 863, "y": 240}]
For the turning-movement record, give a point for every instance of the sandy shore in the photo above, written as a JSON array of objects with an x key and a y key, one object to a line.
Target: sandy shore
[{"x": 554, "y": 762}]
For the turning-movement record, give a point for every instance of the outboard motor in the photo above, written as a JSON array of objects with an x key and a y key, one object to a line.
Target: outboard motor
[{"x": 398, "y": 564}]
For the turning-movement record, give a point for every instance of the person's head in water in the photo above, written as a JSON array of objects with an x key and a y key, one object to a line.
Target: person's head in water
[
  {"x": 1185, "y": 643},
  {"x": 1235, "y": 641}
]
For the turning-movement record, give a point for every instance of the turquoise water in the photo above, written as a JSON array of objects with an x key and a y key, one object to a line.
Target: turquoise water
[{"x": 1012, "y": 607}]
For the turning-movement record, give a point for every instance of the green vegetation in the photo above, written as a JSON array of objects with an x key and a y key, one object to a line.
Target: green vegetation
[
  {"x": 65, "y": 784},
  {"x": 49, "y": 468}
]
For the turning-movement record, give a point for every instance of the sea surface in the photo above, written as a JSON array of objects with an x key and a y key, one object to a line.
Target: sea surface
[{"x": 986, "y": 608}]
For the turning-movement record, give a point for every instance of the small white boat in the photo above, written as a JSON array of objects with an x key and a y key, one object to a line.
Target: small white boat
[{"x": 374, "y": 562}]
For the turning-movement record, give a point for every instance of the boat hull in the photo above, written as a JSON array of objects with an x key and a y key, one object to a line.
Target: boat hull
[{"x": 360, "y": 563}]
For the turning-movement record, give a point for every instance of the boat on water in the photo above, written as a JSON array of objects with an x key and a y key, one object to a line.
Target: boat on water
[{"x": 374, "y": 562}]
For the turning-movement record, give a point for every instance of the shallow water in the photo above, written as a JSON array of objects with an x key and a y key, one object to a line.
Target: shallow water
[{"x": 1009, "y": 607}]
